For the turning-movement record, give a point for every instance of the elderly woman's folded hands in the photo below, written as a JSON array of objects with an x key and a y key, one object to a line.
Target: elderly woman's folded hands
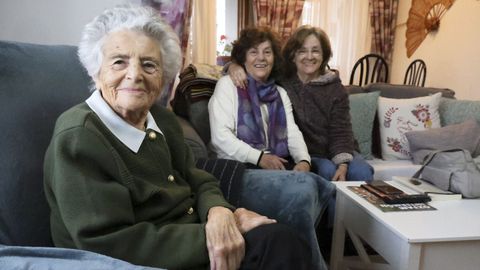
[{"x": 224, "y": 229}]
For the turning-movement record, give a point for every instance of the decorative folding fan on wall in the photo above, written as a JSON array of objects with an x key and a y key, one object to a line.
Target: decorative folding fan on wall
[{"x": 424, "y": 16}]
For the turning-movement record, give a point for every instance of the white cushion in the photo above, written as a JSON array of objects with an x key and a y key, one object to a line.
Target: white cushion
[{"x": 399, "y": 116}]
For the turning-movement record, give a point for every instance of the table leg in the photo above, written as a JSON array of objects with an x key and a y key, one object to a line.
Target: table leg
[
  {"x": 357, "y": 243},
  {"x": 338, "y": 239},
  {"x": 410, "y": 257}
]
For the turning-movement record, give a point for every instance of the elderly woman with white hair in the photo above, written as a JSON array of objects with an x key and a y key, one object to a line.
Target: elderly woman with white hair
[{"x": 120, "y": 180}]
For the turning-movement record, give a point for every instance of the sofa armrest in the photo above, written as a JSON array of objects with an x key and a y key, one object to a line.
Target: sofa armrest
[
  {"x": 193, "y": 139},
  {"x": 37, "y": 84}
]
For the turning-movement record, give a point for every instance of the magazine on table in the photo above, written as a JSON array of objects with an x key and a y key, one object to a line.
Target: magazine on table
[
  {"x": 385, "y": 207},
  {"x": 418, "y": 186}
]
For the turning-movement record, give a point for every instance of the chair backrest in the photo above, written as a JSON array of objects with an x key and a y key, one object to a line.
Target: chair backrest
[
  {"x": 368, "y": 69},
  {"x": 416, "y": 73}
]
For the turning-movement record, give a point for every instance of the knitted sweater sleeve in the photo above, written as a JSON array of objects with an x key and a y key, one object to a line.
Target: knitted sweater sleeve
[
  {"x": 296, "y": 144},
  {"x": 340, "y": 134}
]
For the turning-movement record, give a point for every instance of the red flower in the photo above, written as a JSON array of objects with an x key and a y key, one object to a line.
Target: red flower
[
  {"x": 394, "y": 144},
  {"x": 422, "y": 113},
  {"x": 222, "y": 37}
]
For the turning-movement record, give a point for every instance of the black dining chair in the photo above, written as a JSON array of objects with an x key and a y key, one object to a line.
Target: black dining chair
[
  {"x": 368, "y": 69},
  {"x": 416, "y": 73}
]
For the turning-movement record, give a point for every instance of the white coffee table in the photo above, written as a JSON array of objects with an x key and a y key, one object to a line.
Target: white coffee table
[{"x": 447, "y": 238}]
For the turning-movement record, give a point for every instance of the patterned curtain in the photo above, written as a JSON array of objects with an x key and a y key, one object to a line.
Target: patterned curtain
[
  {"x": 383, "y": 17},
  {"x": 177, "y": 13},
  {"x": 245, "y": 14},
  {"x": 282, "y": 16}
]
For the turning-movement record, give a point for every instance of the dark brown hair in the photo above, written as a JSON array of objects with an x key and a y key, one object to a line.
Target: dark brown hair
[
  {"x": 251, "y": 37},
  {"x": 295, "y": 42}
]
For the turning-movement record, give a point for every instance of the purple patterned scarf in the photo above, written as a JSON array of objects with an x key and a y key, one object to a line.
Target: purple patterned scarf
[{"x": 250, "y": 125}]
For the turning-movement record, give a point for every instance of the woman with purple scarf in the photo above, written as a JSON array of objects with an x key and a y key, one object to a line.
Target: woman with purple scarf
[{"x": 255, "y": 125}]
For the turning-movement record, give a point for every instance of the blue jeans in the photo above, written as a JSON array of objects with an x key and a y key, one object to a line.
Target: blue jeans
[
  {"x": 358, "y": 170},
  {"x": 294, "y": 198},
  {"x": 23, "y": 257}
]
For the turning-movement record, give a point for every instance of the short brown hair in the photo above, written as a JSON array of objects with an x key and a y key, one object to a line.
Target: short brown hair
[
  {"x": 251, "y": 37},
  {"x": 295, "y": 42}
]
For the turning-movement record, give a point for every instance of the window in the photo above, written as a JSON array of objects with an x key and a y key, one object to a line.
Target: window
[
  {"x": 226, "y": 25},
  {"x": 347, "y": 23}
]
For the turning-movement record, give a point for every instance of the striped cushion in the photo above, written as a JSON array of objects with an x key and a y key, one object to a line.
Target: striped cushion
[{"x": 229, "y": 173}]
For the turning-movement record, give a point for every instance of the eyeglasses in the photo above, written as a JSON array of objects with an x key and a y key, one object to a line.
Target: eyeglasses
[
  {"x": 148, "y": 66},
  {"x": 303, "y": 52}
]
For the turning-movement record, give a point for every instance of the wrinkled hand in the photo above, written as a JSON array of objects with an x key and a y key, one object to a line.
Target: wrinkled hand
[
  {"x": 341, "y": 173},
  {"x": 272, "y": 162},
  {"x": 225, "y": 243},
  {"x": 248, "y": 220},
  {"x": 302, "y": 166},
  {"x": 238, "y": 75}
]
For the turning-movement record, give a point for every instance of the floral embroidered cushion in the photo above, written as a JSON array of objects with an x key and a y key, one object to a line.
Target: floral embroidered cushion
[{"x": 399, "y": 116}]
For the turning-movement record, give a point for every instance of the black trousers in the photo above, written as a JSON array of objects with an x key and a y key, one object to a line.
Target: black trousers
[{"x": 275, "y": 246}]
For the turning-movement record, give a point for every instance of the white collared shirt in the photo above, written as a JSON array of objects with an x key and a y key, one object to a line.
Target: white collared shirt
[{"x": 126, "y": 133}]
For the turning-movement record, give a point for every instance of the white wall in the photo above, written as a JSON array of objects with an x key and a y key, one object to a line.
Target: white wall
[
  {"x": 231, "y": 25},
  {"x": 452, "y": 54},
  {"x": 48, "y": 21}
]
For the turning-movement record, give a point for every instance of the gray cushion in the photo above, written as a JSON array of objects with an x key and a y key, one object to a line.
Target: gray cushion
[
  {"x": 37, "y": 83},
  {"x": 465, "y": 135}
]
